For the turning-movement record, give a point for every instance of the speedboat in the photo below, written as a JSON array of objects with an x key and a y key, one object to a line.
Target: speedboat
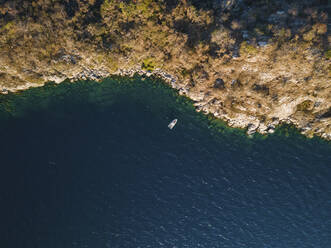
[{"x": 172, "y": 124}]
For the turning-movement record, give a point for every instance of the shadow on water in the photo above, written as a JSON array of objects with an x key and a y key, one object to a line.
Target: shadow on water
[{"x": 91, "y": 164}]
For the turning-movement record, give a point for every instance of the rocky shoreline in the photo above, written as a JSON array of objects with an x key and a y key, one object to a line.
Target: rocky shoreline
[
  {"x": 250, "y": 123},
  {"x": 253, "y": 64}
]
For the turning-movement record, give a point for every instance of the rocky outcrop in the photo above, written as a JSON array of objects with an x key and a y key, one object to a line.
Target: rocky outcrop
[{"x": 254, "y": 64}]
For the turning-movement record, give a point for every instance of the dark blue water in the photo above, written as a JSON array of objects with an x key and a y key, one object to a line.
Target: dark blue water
[{"x": 89, "y": 165}]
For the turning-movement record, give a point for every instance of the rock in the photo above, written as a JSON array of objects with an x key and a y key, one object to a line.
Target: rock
[
  {"x": 262, "y": 43},
  {"x": 271, "y": 128},
  {"x": 307, "y": 127},
  {"x": 326, "y": 136},
  {"x": 278, "y": 18},
  {"x": 251, "y": 129},
  {"x": 271, "y": 131},
  {"x": 236, "y": 83},
  {"x": 183, "y": 91},
  {"x": 219, "y": 84}
]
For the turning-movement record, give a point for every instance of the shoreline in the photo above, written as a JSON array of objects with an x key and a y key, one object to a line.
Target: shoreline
[{"x": 252, "y": 125}]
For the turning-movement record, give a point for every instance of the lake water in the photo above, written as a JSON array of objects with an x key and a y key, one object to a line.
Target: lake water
[{"x": 95, "y": 165}]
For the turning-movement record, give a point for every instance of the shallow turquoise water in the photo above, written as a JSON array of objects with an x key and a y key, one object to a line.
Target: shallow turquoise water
[{"x": 94, "y": 165}]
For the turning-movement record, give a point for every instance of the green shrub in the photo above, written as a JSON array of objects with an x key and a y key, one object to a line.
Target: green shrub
[
  {"x": 245, "y": 48},
  {"x": 148, "y": 64},
  {"x": 129, "y": 9},
  {"x": 309, "y": 36},
  {"x": 305, "y": 105},
  {"x": 328, "y": 54},
  {"x": 282, "y": 35},
  {"x": 10, "y": 28},
  {"x": 7, "y": 26}
]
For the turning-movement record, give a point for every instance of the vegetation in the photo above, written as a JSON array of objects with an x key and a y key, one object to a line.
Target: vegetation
[
  {"x": 247, "y": 49},
  {"x": 7, "y": 26},
  {"x": 305, "y": 105},
  {"x": 328, "y": 54},
  {"x": 148, "y": 64}
]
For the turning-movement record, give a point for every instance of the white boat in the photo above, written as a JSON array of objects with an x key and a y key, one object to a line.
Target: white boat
[{"x": 172, "y": 124}]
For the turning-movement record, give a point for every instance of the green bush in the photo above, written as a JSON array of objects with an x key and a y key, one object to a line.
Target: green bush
[
  {"x": 129, "y": 9},
  {"x": 245, "y": 48},
  {"x": 328, "y": 54},
  {"x": 148, "y": 64},
  {"x": 305, "y": 105},
  {"x": 7, "y": 26},
  {"x": 309, "y": 36}
]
